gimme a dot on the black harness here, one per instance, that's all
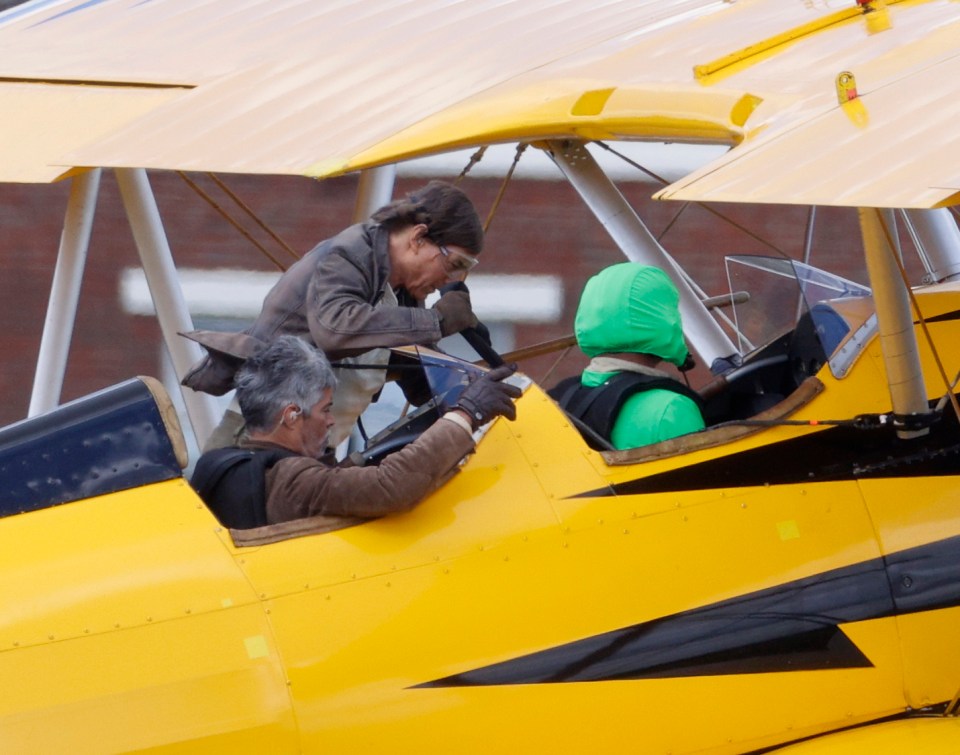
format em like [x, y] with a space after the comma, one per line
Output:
[598, 407]
[231, 481]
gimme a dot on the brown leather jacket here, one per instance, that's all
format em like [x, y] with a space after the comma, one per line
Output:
[299, 486]
[329, 297]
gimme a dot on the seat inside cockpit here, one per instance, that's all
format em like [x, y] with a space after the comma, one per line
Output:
[804, 320]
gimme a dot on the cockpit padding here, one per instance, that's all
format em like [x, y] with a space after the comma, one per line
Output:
[118, 438]
[716, 436]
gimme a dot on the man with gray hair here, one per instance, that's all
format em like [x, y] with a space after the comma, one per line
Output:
[278, 473]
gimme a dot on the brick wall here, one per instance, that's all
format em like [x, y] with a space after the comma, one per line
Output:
[541, 226]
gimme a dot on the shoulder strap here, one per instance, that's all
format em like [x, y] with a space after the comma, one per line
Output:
[213, 465]
[598, 407]
[564, 390]
[574, 397]
[231, 481]
[564, 393]
[640, 383]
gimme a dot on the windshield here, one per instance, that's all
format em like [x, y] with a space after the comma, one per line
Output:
[446, 378]
[435, 380]
[774, 296]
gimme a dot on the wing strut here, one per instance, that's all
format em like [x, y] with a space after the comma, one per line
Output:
[938, 241]
[64, 293]
[168, 299]
[638, 244]
[374, 191]
[898, 341]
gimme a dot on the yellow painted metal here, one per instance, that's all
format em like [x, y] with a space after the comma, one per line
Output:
[413, 625]
[126, 625]
[455, 605]
[796, 532]
[782, 38]
[846, 87]
[931, 736]
[931, 666]
[132, 621]
[202, 683]
[552, 109]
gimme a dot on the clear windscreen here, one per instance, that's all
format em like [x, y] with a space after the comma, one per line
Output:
[446, 378]
[785, 293]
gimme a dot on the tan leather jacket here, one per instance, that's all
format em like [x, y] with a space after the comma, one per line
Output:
[299, 487]
[329, 297]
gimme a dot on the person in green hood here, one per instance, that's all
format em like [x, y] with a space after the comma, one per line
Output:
[628, 322]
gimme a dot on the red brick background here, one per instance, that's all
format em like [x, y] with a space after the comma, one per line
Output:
[540, 227]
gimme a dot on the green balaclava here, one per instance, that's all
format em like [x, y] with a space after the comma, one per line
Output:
[631, 308]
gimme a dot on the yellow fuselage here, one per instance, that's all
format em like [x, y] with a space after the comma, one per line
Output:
[542, 601]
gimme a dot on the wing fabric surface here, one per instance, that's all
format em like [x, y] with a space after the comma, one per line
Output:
[295, 87]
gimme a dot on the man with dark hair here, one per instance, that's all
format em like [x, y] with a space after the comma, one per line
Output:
[277, 474]
[361, 292]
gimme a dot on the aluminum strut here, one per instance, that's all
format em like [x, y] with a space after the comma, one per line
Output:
[374, 191]
[940, 238]
[168, 299]
[65, 293]
[626, 228]
[898, 341]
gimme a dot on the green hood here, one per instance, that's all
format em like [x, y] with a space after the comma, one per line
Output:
[631, 308]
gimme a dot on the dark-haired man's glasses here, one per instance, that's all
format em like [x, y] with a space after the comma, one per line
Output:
[457, 262]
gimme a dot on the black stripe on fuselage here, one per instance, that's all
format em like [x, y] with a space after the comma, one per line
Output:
[791, 627]
[837, 453]
[945, 317]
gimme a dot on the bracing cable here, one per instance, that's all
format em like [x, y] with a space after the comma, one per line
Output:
[253, 216]
[474, 159]
[226, 216]
[711, 210]
[521, 148]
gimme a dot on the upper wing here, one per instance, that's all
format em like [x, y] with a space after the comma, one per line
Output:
[891, 145]
[300, 87]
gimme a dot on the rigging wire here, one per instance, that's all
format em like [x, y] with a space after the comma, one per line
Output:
[521, 148]
[226, 216]
[918, 245]
[807, 254]
[250, 213]
[709, 209]
[950, 386]
[554, 366]
[474, 159]
[808, 234]
[697, 289]
[673, 221]
[722, 316]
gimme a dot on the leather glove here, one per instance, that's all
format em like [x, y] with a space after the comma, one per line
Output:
[455, 312]
[488, 397]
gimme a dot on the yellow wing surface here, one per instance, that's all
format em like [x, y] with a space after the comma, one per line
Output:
[307, 88]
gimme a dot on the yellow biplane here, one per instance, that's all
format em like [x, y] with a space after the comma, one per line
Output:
[788, 577]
